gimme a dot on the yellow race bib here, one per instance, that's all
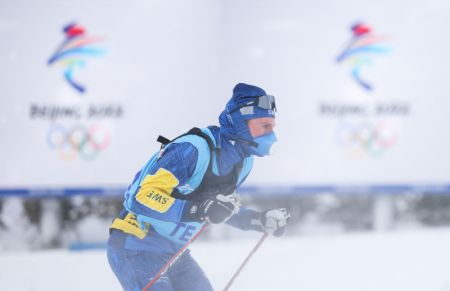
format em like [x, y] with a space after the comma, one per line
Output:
[130, 225]
[155, 190]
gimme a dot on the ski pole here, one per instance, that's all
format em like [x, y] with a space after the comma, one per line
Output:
[173, 259]
[261, 240]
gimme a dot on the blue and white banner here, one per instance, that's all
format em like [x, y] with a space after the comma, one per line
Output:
[361, 90]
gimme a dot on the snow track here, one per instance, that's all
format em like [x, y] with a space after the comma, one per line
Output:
[410, 261]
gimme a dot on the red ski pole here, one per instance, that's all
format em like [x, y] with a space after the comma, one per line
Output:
[261, 240]
[173, 259]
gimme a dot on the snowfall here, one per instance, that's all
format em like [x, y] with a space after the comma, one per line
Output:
[416, 260]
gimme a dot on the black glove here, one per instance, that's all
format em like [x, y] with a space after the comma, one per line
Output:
[215, 210]
[273, 221]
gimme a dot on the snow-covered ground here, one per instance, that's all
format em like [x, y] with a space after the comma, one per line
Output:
[410, 261]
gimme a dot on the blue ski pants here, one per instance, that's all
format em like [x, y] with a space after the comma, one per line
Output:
[135, 268]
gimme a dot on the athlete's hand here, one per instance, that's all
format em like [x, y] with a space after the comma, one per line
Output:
[273, 221]
[218, 209]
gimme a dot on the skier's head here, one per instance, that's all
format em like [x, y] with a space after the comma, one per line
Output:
[249, 118]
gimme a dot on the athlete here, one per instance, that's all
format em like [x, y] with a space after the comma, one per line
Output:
[191, 181]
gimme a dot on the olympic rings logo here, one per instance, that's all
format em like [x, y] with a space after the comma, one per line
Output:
[78, 140]
[366, 138]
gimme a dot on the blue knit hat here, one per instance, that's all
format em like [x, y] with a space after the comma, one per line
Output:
[233, 120]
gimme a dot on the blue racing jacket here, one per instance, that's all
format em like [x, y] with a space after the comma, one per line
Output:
[184, 171]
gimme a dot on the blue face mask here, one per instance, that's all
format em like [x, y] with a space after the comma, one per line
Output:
[264, 142]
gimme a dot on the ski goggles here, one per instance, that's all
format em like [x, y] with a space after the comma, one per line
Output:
[266, 102]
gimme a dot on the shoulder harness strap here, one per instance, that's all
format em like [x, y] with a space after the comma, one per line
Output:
[195, 131]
